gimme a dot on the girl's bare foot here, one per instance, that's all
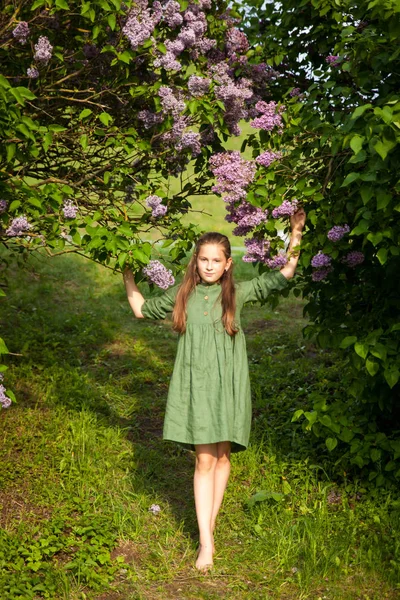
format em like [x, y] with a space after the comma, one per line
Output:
[205, 557]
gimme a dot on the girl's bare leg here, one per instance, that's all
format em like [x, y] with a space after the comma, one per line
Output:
[221, 476]
[204, 476]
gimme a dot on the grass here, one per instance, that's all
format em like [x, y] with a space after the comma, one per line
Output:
[83, 460]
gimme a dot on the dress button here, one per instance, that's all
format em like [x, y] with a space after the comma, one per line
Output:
[205, 313]
[205, 297]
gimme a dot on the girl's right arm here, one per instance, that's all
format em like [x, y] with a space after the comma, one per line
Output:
[135, 298]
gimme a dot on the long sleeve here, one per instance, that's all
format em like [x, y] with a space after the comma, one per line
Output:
[258, 288]
[157, 308]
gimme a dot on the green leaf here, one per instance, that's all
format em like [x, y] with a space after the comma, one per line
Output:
[140, 256]
[325, 420]
[356, 143]
[372, 367]
[112, 20]
[376, 454]
[47, 140]
[11, 150]
[348, 341]
[350, 178]
[105, 118]
[84, 141]
[125, 57]
[3, 347]
[383, 199]
[383, 147]
[297, 414]
[382, 255]
[360, 110]
[4, 82]
[62, 4]
[375, 238]
[392, 376]
[379, 351]
[264, 495]
[361, 228]
[37, 3]
[361, 349]
[85, 113]
[331, 443]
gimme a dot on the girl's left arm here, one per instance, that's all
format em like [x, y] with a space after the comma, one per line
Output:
[297, 222]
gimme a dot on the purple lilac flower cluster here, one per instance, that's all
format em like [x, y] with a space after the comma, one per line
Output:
[21, 32]
[43, 50]
[236, 41]
[246, 216]
[270, 117]
[157, 208]
[149, 118]
[332, 60]
[321, 260]
[320, 274]
[198, 86]
[337, 232]
[286, 209]
[268, 157]
[169, 103]
[70, 211]
[233, 94]
[295, 92]
[159, 275]
[233, 175]
[191, 140]
[32, 73]
[353, 258]
[322, 264]
[19, 226]
[257, 250]
[278, 261]
[141, 22]
[3, 206]
[5, 401]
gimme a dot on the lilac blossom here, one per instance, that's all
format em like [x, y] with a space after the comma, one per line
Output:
[159, 275]
[168, 62]
[278, 261]
[320, 274]
[32, 72]
[21, 32]
[353, 258]
[155, 203]
[155, 509]
[169, 103]
[268, 157]
[43, 50]
[140, 24]
[70, 211]
[236, 41]
[337, 232]
[333, 60]
[149, 118]
[270, 118]
[172, 14]
[5, 401]
[19, 226]
[246, 216]
[191, 140]
[233, 175]
[286, 209]
[295, 92]
[3, 206]
[198, 86]
[321, 260]
[257, 250]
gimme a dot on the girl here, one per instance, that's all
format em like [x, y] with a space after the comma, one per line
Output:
[209, 405]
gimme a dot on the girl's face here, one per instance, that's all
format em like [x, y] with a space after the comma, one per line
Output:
[211, 263]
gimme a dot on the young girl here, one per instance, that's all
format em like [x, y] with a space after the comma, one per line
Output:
[209, 405]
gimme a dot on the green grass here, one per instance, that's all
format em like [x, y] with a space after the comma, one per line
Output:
[83, 460]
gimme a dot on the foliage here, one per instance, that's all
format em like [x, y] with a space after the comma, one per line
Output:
[340, 159]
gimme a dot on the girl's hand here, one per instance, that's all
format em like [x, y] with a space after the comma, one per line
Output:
[298, 220]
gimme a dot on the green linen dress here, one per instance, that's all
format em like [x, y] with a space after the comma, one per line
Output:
[209, 398]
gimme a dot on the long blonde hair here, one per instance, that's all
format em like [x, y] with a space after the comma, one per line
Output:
[192, 278]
